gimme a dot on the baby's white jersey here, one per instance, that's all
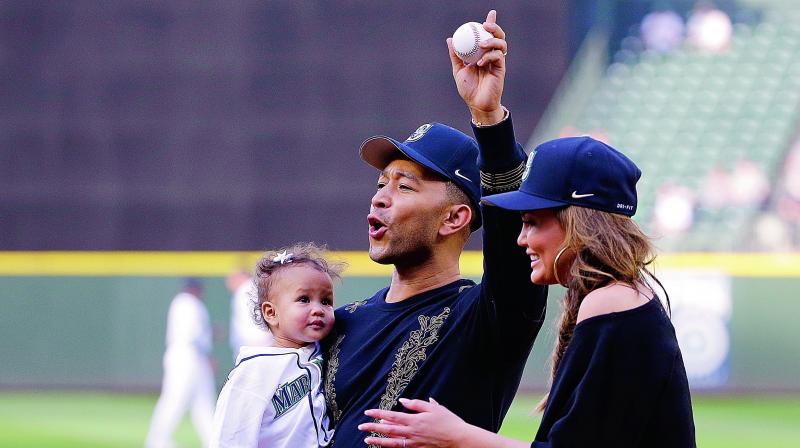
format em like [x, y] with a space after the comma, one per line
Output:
[273, 397]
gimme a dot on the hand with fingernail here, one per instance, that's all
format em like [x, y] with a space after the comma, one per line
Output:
[480, 84]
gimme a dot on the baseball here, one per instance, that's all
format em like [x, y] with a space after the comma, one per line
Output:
[466, 40]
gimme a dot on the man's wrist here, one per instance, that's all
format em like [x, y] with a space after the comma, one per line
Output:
[499, 151]
[484, 119]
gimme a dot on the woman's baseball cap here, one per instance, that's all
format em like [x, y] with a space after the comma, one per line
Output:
[446, 151]
[577, 171]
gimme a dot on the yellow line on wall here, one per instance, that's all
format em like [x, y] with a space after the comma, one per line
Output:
[214, 264]
[737, 265]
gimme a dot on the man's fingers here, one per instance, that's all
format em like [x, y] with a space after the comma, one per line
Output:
[389, 443]
[494, 44]
[456, 61]
[494, 57]
[491, 17]
[494, 29]
[389, 416]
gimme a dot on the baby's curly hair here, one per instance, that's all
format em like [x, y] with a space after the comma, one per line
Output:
[271, 262]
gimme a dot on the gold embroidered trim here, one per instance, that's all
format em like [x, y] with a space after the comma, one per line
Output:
[408, 357]
[510, 180]
[330, 377]
[354, 306]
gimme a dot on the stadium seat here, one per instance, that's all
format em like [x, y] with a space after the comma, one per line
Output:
[682, 114]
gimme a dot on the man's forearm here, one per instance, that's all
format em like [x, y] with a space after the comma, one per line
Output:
[500, 155]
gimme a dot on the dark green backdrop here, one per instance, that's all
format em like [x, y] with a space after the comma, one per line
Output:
[108, 332]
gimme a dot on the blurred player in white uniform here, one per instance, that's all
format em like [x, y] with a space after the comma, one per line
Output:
[243, 328]
[188, 376]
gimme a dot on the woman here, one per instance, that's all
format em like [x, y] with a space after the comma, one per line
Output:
[618, 378]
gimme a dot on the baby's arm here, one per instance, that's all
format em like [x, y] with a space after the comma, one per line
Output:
[240, 412]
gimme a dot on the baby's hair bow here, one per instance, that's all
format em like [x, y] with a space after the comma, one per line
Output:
[283, 258]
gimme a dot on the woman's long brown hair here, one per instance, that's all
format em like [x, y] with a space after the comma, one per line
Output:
[607, 248]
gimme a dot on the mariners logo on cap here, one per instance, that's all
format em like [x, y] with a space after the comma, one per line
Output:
[419, 133]
[528, 164]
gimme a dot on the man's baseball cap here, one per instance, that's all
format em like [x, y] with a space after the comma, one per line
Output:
[577, 171]
[444, 150]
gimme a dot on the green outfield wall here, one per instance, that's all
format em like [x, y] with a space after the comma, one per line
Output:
[93, 327]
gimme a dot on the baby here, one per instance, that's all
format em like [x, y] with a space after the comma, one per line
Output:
[273, 396]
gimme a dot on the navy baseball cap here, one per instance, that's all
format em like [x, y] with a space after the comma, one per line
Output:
[440, 148]
[577, 171]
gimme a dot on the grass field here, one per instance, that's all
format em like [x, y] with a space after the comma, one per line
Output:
[70, 419]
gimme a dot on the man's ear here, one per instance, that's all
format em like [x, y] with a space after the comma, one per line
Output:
[457, 217]
[270, 313]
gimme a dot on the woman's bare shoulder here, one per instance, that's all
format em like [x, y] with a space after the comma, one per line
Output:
[610, 299]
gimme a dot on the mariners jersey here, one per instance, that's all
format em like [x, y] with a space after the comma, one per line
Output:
[464, 344]
[273, 398]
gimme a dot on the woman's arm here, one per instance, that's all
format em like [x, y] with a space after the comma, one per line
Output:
[432, 426]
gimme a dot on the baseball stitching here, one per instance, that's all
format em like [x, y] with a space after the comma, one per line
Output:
[475, 48]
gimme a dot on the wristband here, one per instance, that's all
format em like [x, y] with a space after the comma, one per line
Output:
[506, 114]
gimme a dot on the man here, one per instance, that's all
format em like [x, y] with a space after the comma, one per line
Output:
[188, 377]
[432, 333]
[243, 329]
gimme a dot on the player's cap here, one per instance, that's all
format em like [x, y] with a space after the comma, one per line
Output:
[577, 171]
[444, 150]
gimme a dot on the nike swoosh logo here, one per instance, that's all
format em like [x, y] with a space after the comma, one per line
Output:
[578, 196]
[462, 176]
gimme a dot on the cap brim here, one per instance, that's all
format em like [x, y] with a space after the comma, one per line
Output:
[520, 201]
[379, 151]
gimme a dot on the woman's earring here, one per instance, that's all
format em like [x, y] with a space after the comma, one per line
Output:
[555, 265]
